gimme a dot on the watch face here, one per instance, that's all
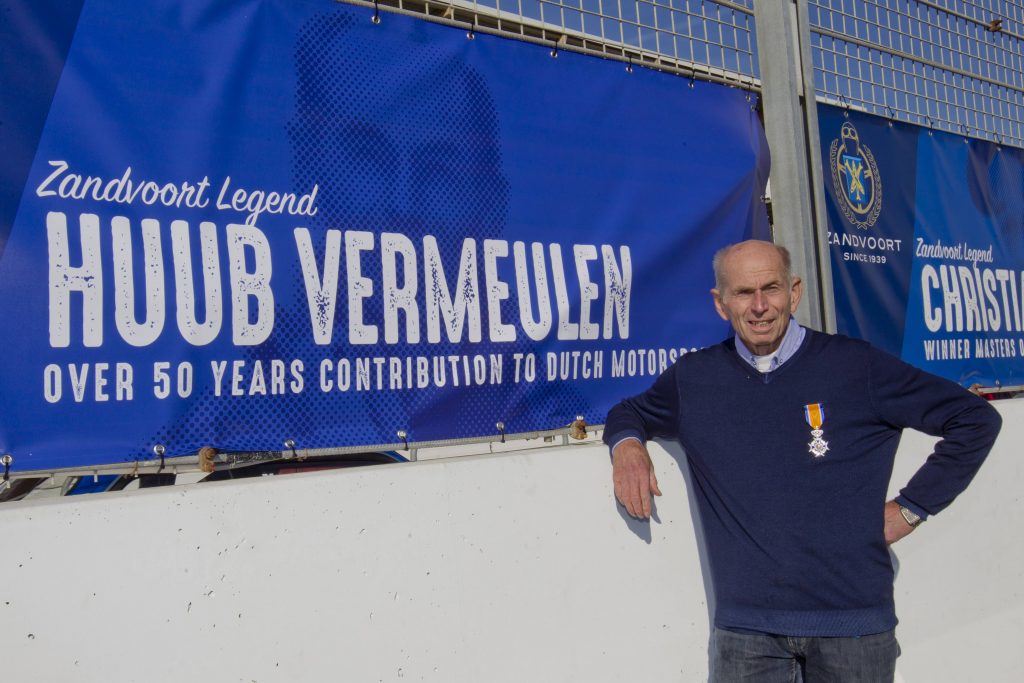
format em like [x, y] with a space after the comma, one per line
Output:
[912, 518]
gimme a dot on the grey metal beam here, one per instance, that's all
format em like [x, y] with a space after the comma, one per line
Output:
[791, 126]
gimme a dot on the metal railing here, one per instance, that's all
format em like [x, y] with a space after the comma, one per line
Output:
[711, 40]
[952, 65]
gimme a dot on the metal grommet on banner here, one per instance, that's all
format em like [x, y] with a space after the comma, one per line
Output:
[629, 65]
[404, 437]
[561, 41]
[966, 131]
[929, 120]
[376, 13]
[290, 445]
[693, 79]
[159, 450]
[501, 430]
[751, 98]
[892, 114]
[7, 460]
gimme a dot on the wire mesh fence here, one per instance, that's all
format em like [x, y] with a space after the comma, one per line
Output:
[699, 37]
[949, 64]
[715, 35]
[956, 65]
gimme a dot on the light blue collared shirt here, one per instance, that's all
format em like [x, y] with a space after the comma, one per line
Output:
[791, 341]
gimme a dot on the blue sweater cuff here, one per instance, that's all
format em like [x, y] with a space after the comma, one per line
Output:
[619, 437]
[912, 506]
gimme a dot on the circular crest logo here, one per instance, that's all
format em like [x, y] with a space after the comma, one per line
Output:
[855, 178]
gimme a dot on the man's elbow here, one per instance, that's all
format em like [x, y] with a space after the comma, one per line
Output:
[985, 424]
[994, 422]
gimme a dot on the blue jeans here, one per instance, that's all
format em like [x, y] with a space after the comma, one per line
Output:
[737, 657]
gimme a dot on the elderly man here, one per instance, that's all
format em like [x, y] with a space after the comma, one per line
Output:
[790, 436]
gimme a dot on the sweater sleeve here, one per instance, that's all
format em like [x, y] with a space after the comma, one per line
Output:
[654, 413]
[905, 396]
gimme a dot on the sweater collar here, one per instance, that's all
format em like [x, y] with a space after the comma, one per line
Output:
[791, 342]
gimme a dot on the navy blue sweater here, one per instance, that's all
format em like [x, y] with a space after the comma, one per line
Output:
[795, 541]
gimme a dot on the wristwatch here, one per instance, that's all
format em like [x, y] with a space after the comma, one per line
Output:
[913, 519]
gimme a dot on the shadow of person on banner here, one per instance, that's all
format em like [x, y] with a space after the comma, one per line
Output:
[401, 134]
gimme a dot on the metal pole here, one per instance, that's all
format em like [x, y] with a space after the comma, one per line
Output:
[791, 126]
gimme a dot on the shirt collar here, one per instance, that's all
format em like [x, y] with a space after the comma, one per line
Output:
[791, 341]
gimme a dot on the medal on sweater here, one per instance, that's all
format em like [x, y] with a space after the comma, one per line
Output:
[814, 413]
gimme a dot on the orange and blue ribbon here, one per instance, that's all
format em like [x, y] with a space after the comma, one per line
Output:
[814, 413]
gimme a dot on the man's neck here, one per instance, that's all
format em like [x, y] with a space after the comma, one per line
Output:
[766, 362]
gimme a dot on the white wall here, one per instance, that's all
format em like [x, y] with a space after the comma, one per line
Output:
[960, 586]
[512, 567]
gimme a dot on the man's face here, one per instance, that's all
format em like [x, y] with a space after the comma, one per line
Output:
[755, 295]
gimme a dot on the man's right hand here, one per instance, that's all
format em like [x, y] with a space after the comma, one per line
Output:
[633, 474]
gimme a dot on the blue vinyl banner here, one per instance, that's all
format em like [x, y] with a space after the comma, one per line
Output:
[927, 241]
[244, 222]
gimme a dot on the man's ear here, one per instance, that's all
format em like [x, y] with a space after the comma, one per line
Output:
[796, 292]
[717, 298]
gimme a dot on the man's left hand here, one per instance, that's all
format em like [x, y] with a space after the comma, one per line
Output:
[895, 526]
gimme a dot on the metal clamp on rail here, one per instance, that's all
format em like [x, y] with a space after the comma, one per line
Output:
[290, 445]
